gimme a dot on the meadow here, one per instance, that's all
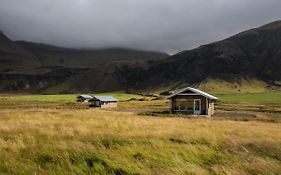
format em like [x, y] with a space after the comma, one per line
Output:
[67, 97]
[263, 97]
[55, 135]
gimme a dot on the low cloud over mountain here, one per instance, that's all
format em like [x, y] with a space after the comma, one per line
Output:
[162, 25]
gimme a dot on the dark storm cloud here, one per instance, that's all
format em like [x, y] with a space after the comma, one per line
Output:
[165, 25]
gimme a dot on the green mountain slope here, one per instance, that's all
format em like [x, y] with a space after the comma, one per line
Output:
[86, 58]
[33, 67]
[14, 57]
[251, 58]
[247, 62]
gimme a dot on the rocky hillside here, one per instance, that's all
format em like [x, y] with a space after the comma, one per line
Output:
[247, 62]
[13, 56]
[252, 57]
[41, 68]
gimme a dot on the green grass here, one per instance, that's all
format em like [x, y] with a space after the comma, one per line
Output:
[265, 97]
[66, 97]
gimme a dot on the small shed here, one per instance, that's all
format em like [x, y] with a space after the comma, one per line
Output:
[83, 98]
[192, 101]
[103, 102]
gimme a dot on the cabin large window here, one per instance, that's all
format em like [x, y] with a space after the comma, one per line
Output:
[184, 104]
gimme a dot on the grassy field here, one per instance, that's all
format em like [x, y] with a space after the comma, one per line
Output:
[265, 97]
[66, 97]
[56, 135]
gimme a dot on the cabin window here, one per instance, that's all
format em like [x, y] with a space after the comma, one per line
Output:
[184, 104]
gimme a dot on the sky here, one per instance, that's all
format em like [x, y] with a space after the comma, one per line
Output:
[160, 25]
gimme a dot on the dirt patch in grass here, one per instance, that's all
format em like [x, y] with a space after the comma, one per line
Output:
[234, 115]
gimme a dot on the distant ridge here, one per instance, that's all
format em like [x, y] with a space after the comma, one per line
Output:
[250, 56]
[247, 62]
[42, 68]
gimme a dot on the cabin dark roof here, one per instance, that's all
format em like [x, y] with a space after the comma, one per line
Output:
[196, 91]
[85, 96]
[104, 98]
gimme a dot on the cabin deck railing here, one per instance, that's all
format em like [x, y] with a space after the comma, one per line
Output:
[183, 110]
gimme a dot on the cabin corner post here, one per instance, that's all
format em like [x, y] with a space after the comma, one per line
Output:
[207, 108]
[171, 105]
[213, 112]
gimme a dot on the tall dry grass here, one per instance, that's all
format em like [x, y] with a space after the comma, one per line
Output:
[69, 141]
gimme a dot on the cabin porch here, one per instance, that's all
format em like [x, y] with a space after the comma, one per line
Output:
[191, 105]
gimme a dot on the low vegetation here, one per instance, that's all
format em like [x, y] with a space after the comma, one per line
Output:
[67, 97]
[56, 135]
[263, 97]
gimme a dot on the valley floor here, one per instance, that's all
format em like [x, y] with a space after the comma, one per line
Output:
[140, 137]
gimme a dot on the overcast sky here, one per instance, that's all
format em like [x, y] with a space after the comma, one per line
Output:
[163, 25]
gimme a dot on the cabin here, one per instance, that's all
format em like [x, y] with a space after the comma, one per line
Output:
[83, 98]
[191, 101]
[103, 102]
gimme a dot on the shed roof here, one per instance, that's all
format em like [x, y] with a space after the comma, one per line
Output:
[85, 96]
[196, 91]
[105, 98]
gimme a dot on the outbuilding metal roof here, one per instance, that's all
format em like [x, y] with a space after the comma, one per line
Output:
[196, 91]
[86, 96]
[105, 98]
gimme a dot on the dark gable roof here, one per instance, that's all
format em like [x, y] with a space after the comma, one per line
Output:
[85, 96]
[104, 98]
[196, 91]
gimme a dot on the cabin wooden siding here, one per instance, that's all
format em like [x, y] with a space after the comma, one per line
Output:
[101, 104]
[175, 105]
[192, 101]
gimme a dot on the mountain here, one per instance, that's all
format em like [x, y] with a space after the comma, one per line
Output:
[13, 56]
[249, 61]
[86, 58]
[41, 68]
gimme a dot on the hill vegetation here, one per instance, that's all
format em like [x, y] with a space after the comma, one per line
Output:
[246, 62]
[41, 68]
[250, 56]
